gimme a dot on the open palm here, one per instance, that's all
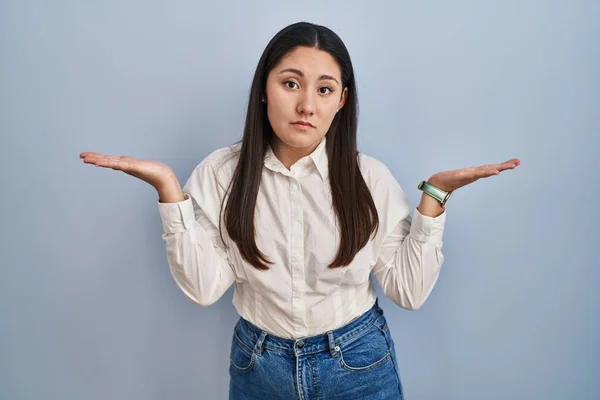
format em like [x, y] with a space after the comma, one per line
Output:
[153, 172]
[454, 179]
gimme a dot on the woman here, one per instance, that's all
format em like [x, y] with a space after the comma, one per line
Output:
[296, 219]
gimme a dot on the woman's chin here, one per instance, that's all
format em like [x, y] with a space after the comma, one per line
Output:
[300, 139]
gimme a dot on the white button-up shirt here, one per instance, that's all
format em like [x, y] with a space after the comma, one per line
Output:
[296, 228]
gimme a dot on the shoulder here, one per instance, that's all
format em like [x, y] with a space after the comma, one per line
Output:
[223, 157]
[389, 197]
[217, 167]
[221, 162]
[374, 171]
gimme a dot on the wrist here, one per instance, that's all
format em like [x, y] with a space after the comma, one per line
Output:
[435, 191]
[429, 206]
[170, 191]
[435, 182]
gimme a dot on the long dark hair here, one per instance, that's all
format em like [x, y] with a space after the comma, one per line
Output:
[352, 201]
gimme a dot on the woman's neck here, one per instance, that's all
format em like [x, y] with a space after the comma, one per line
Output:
[289, 155]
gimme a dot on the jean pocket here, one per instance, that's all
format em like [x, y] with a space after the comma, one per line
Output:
[241, 357]
[369, 351]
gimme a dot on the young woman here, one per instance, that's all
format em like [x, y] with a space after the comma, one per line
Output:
[297, 219]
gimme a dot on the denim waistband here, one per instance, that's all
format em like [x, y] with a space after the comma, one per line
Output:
[328, 341]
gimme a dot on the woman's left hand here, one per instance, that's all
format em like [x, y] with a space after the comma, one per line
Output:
[457, 178]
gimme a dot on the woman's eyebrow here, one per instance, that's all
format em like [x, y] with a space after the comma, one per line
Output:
[299, 73]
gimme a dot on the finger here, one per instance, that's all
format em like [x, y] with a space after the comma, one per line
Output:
[510, 164]
[495, 169]
[92, 158]
[102, 161]
[87, 154]
[487, 170]
[118, 163]
[468, 175]
[121, 163]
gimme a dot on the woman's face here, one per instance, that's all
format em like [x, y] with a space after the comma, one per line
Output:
[303, 94]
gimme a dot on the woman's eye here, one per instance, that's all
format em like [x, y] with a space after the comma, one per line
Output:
[324, 90]
[290, 84]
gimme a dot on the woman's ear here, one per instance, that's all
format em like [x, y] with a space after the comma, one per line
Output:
[343, 99]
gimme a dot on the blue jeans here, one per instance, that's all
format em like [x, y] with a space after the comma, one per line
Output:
[356, 361]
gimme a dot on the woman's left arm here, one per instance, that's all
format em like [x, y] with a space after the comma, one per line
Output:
[410, 256]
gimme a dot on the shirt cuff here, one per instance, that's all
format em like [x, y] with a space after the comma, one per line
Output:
[427, 229]
[177, 217]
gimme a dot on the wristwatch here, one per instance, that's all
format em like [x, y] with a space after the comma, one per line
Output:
[435, 192]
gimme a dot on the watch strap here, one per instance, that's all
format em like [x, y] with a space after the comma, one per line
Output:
[440, 195]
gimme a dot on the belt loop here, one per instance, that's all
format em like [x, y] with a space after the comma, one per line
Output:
[333, 349]
[259, 343]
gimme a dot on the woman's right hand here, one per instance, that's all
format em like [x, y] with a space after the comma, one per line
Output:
[157, 174]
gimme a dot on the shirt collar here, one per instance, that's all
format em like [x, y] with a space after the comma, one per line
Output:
[318, 158]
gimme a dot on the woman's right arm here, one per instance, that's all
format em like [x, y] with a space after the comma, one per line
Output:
[195, 252]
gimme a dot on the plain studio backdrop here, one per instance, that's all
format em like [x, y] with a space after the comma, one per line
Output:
[88, 308]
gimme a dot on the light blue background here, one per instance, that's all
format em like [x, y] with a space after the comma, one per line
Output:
[88, 308]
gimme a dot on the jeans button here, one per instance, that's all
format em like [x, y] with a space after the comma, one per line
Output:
[299, 344]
